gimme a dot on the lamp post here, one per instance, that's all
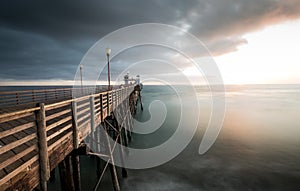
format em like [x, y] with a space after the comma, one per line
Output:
[108, 50]
[81, 78]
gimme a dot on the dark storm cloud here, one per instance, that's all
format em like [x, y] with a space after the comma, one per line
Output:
[31, 56]
[47, 39]
[70, 19]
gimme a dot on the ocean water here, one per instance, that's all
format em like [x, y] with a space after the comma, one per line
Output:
[258, 147]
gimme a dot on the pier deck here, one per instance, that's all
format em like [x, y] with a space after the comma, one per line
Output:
[35, 138]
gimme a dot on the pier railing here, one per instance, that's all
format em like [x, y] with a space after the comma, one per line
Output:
[31, 138]
[13, 98]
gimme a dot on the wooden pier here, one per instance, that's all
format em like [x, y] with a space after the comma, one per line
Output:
[48, 128]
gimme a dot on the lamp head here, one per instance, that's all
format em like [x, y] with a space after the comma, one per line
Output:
[108, 51]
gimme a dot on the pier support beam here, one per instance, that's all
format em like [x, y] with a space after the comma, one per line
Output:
[76, 172]
[121, 152]
[97, 147]
[52, 175]
[125, 137]
[111, 165]
[66, 175]
[140, 98]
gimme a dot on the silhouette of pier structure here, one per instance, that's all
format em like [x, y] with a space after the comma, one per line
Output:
[44, 130]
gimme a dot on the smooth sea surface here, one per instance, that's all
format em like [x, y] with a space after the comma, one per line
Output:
[258, 147]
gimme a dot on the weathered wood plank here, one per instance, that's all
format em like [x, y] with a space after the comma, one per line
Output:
[16, 129]
[55, 124]
[60, 151]
[26, 180]
[18, 170]
[80, 106]
[16, 143]
[18, 156]
[59, 132]
[83, 118]
[55, 115]
[60, 141]
[83, 111]
[5, 141]
[97, 110]
[58, 105]
[15, 115]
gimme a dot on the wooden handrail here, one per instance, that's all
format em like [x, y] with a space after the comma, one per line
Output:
[12, 98]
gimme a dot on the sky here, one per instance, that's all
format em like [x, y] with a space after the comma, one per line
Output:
[251, 41]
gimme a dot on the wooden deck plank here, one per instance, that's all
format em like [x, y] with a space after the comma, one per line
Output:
[4, 157]
[19, 149]
[12, 152]
[16, 129]
[23, 168]
[17, 156]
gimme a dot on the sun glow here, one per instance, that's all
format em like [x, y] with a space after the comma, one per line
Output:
[271, 56]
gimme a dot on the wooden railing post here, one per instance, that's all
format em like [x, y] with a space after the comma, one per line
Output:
[108, 104]
[101, 107]
[112, 100]
[93, 140]
[121, 94]
[74, 124]
[115, 104]
[125, 93]
[92, 108]
[117, 98]
[43, 149]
